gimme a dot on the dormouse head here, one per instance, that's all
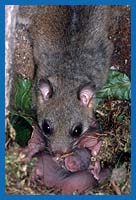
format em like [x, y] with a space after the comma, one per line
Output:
[65, 112]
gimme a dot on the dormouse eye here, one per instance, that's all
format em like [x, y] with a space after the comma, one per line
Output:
[46, 128]
[76, 131]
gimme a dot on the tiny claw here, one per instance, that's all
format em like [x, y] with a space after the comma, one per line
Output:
[96, 148]
[95, 170]
[88, 142]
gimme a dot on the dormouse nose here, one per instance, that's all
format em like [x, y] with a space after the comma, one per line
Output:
[60, 147]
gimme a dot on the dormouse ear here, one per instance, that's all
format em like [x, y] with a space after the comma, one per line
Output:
[86, 95]
[46, 88]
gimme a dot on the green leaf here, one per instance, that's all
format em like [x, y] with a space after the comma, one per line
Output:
[120, 117]
[22, 128]
[23, 94]
[22, 116]
[25, 116]
[117, 87]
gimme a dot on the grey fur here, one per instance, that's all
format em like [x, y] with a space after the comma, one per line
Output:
[71, 49]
